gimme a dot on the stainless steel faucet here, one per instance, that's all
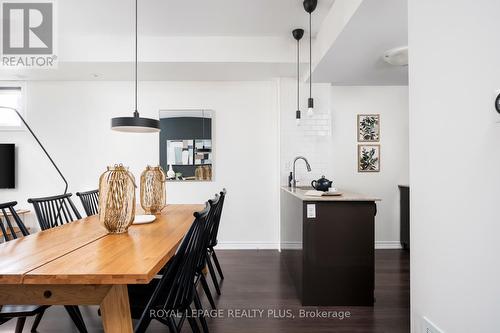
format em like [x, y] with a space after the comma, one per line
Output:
[294, 181]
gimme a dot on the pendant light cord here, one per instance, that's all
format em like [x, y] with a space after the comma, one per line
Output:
[136, 123]
[310, 55]
[136, 113]
[203, 129]
[298, 74]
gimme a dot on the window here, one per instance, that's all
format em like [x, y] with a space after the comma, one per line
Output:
[11, 96]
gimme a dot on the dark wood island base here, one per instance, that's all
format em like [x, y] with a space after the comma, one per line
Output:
[328, 246]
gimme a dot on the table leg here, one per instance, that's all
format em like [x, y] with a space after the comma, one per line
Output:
[115, 310]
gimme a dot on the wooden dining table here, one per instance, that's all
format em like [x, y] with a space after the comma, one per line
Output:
[81, 264]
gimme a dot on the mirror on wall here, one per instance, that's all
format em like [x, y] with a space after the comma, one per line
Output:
[186, 145]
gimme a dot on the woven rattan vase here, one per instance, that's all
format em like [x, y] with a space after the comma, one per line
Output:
[117, 199]
[153, 195]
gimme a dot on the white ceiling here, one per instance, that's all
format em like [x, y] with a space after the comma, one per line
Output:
[179, 40]
[188, 17]
[356, 56]
[230, 40]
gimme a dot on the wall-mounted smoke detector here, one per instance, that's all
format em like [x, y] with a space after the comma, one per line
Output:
[397, 56]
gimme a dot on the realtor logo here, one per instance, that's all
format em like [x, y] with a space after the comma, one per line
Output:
[28, 34]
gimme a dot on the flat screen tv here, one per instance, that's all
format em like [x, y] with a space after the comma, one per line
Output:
[7, 165]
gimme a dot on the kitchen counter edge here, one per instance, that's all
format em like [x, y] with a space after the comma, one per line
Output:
[346, 195]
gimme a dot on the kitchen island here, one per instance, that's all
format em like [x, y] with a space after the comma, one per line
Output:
[327, 245]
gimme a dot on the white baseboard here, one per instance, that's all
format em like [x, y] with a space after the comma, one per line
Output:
[388, 245]
[379, 245]
[291, 246]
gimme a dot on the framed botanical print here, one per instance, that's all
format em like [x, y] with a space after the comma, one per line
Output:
[368, 158]
[368, 127]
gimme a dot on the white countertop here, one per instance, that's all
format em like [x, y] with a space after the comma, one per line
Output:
[346, 195]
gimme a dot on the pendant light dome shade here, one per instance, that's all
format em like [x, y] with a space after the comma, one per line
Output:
[310, 5]
[298, 34]
[135, 124]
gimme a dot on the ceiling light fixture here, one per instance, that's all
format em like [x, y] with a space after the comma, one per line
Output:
[310, 6]
[135, 124]
[397, 56]
[297, 34]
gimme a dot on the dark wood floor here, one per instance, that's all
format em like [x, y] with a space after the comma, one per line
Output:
[258, 280]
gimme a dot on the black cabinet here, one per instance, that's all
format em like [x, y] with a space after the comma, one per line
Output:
[404, 197]
[330, 252]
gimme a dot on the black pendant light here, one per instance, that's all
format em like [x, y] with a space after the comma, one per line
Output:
[135, 124]
[310, 6]
[203, 149]
[297, 34]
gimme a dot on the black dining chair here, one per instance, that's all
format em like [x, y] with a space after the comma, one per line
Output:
[90, 201]
[174, 290]
[55, 211]
[12, 227]
[213, 242]
[200, 276]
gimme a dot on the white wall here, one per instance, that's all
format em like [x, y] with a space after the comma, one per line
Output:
[73, 120]
[335, 155]
[454, 145]
[392, 105]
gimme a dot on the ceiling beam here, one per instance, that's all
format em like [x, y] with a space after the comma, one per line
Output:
[332, 26]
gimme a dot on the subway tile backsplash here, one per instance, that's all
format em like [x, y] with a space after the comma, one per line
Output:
[312, 139]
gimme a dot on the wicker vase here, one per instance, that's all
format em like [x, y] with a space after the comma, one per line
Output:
[117, 199]
[198, 173]
[153, 196]
[207, 172]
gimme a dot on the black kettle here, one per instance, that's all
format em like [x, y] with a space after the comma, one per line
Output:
[321, 184]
